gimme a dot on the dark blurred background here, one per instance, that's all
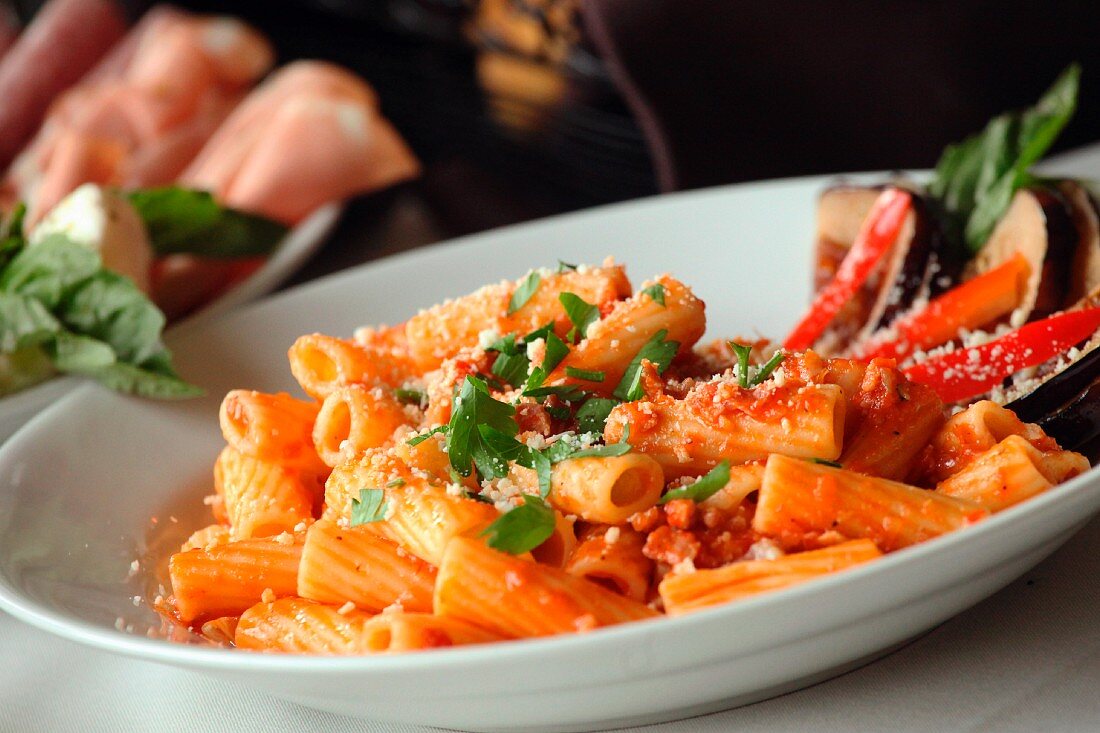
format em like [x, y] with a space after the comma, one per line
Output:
[524, 108]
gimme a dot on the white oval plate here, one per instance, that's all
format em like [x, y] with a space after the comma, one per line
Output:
[301, 243]
[81, 482]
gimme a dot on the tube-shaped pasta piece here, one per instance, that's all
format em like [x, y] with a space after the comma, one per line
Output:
[224, 580]
[888, 441]
[517, 598]
[686, 592]
[428, 456]
[424, 518]
[271, 427]
[606, 489]
[1010, 472]
[800, 501]
[613, 341]
[719, 421]
[302, 626]
[373, 470]
[408, 632]
[442, 331]
[974, 430]
[559, 546]
[354, 418]
[356, 564]
[744, 480]
[612, 557]
[210, 536]
[322, 363]
[261, 498]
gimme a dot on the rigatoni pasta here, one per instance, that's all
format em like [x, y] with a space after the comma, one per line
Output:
[556, 454]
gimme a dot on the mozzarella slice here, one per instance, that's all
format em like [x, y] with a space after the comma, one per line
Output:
[105, 222]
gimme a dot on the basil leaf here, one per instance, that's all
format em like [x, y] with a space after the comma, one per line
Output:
[110, 308]
[592, 415]
[181, 220]
[370, 507]
[657, 292]
[704, 488]
[656, 350]
[523, 528]
[524, 291]
[581, 314]
[24, 322]
[584, 374]
[976, 179]
[79, 354]
[142, 382]
[49, 269]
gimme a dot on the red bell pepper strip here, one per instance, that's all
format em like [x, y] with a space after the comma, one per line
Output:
[964, 373]
[879, 231]
[971, 305]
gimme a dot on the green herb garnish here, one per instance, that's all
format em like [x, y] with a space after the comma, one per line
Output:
[581, 314]
[656, 291]
[976, 179]
[704, 488]
[656, 350]
[183, 221]
[524, 291]
[409, 396]
[592, 415]
[591, 376]
[826, 462]
[747, 376]
[522, 529]
[418, 439]
[396, 483]
[370, 507]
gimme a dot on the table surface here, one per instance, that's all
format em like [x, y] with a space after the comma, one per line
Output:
[1026, 659]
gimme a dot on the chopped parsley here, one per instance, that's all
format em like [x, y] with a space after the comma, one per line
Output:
[523, 528]
[511, 363]
[656, 350]
[581, 314]
[746, 376]
[396, 483]
[657, 292]
[590, 376]
[564, 266]
[408, 396]
[524, 291]
[704, 488]
[474, 408]
[592, 415]
[556, 350]
[566, 392]
[370, 507]
[826, 462]
[418, 439]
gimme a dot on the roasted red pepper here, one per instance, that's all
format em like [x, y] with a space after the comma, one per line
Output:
[964, 373]
[877, 234]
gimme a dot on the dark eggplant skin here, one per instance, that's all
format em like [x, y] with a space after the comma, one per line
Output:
[1067, 404]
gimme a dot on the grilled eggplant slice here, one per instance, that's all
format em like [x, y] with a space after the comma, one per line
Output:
[1085, 273]
[915, 267]
[1038, 224]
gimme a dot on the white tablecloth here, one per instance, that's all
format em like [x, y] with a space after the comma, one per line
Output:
[1027, 659]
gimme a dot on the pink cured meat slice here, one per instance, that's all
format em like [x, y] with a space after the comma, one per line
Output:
[64, 40]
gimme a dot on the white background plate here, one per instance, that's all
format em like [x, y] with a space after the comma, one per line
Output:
[301, 243]
[82, 481]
